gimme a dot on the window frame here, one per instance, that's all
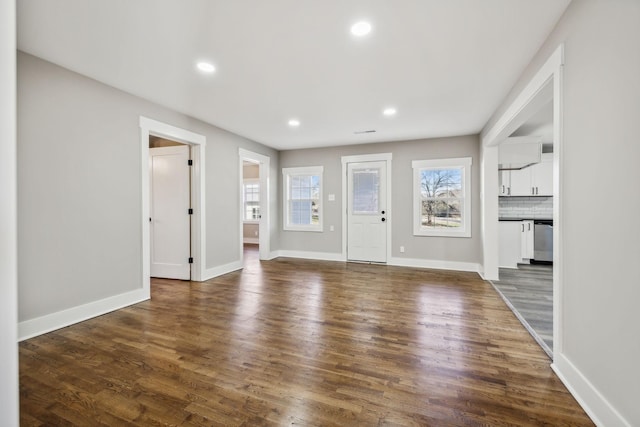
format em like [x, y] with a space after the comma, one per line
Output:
[245, 182]
[287, 174]
[463, 163]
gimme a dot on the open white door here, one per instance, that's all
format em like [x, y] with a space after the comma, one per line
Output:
[367, 211]
[170, 220]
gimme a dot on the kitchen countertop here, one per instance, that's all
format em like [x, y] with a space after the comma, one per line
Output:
[524, 219]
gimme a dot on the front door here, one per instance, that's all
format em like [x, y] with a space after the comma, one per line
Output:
[367, 211]
[170, 220]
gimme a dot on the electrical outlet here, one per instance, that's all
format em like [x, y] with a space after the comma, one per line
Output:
[256, 233]
[401, 249]
[331, 228]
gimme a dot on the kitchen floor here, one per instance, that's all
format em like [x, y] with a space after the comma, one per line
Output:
[528, 291]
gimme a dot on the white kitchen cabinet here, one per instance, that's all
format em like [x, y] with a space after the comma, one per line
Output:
[521, 182]
[536, 180]
[515, 243]
[542, 176]
[509, 244]
[504, 189]
[526, 239]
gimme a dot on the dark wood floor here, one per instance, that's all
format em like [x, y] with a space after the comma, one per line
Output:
[306, 343]
[528, 290]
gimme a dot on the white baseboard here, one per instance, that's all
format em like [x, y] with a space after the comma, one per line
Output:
[400, 262]
[251, 240]
[483, 276]
[210, 273]
[435, 264]
[50, 322]
[602, 413]
[322, 256]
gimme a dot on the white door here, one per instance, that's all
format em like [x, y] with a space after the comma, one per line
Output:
[367, 212]
[170, 220]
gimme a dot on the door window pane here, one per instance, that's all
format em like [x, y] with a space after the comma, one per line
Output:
[366, 191]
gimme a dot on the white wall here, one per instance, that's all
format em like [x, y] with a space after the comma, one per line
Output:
[79, 199]
[8, 249]
[600, 173]
[462, 250]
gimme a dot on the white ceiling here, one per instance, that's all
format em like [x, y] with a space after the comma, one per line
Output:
[445, 65]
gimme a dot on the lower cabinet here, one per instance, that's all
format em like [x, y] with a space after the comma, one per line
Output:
[526, 240]
[509, 244]
[515, 243]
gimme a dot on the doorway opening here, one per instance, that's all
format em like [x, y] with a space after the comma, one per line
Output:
[251, 210]
[254, 206]
[536, 112]
[197, 144]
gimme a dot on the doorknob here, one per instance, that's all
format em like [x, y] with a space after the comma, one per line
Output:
[384, 219]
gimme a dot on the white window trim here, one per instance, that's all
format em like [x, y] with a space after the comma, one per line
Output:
[244, 206]
[307, 170]
[464, 162]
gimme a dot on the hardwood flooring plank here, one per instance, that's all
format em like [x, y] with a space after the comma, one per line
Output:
[295, 342]
[528, 290]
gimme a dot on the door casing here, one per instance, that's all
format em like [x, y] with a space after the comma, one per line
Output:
[198, 229]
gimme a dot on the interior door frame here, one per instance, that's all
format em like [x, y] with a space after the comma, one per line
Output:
[532, 97]
[380, 157]
[197, 144]
[264, 167]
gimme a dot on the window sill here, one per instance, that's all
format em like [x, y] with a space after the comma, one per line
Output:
[313, 230]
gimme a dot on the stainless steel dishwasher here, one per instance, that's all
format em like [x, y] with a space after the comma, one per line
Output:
[543, 241]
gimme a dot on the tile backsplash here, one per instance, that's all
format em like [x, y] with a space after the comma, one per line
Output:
[526, 207]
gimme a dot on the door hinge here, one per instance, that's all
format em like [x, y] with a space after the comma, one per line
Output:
[190, 162]
[190, 260]
[190, 211]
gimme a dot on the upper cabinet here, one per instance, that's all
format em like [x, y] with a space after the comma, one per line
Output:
[531, 180]
[542, 176]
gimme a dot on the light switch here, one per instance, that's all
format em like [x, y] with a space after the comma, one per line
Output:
[332, 198]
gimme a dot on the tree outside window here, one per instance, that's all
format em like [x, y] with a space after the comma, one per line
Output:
[441, 202]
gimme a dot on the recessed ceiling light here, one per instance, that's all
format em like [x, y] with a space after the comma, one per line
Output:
[389, 111]
[294, 123]
[206, 67]
[361, 28]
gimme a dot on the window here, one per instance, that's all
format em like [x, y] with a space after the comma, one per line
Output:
[441, 199]
[251, 200]
[302, 198]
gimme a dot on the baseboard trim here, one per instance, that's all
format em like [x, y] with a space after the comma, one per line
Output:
[322, 256]
[602, 413]
[435, 264]
[210, 273]
[398, 262]
[251, 240]
[50, 322]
